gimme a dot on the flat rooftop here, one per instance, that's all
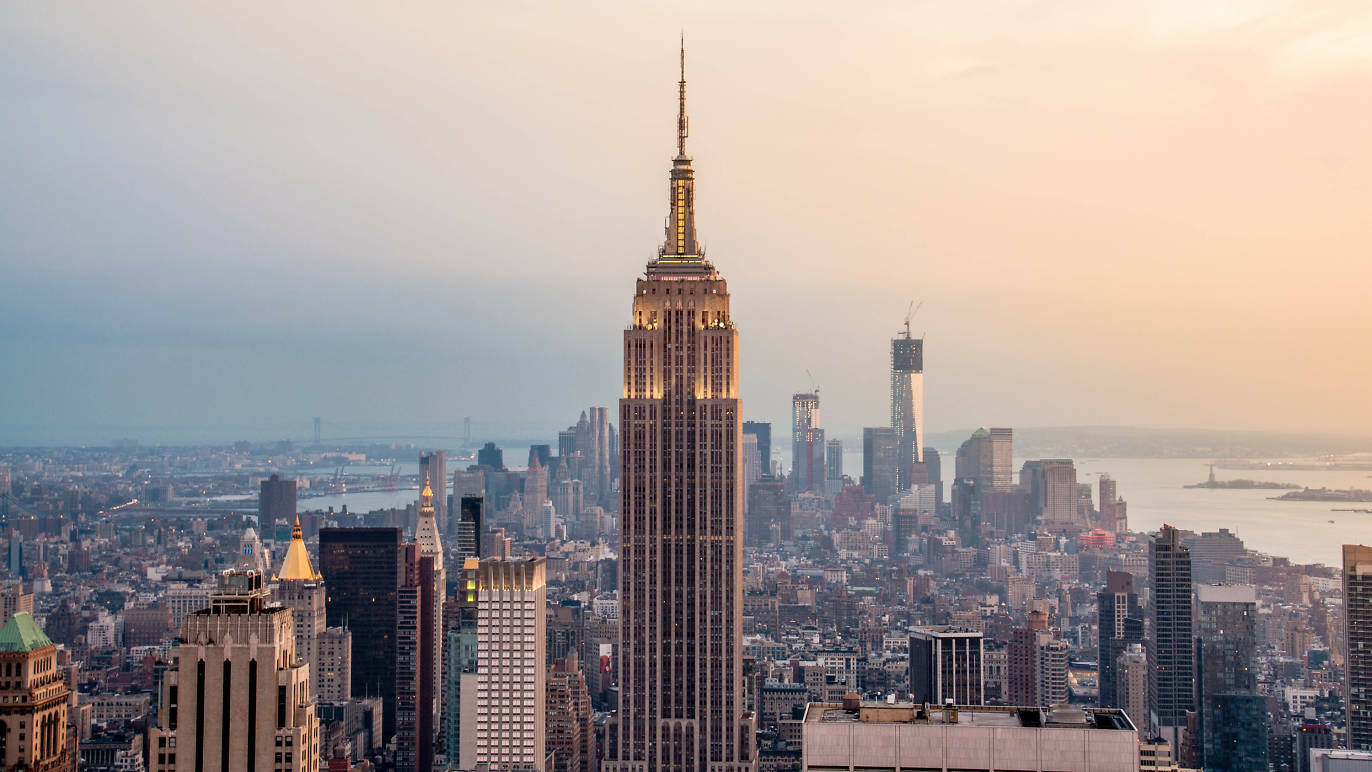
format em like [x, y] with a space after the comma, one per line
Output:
[1064, 716]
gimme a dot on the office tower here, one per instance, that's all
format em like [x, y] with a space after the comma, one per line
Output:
[301, 589]
[364, 570]
[1130, 671]
[752, 465]
[469, 527]
[833, 461]
[433, 469]
[1170, 652]
[945, 664]
[543, 452]
[275, 504]
[503, 711]
[907, 404]
[239, 697]
[34, 694]
[768, 505]
[1357, 603]
[880, 462]
[1119, 623]
[1232, 715]
[763, 431]
[1056, 489]
[807, 444]
[986, 457]
[568, 497]
[416, 678]
[570, 733]
[333, 671]
[491, 457]
[13, 599]
[681, 508]
[430, 546]
[535, 493]
[597, 478]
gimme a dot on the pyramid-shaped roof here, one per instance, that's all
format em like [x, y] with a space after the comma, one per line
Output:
[21, 633]
[296, 567]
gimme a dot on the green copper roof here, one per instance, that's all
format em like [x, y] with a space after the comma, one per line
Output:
[21, 633]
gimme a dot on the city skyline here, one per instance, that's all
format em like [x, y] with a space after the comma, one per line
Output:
[256, 185]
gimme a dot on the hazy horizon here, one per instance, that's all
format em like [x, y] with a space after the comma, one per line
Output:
[1116, 216]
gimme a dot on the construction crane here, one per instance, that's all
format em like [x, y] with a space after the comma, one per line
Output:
[813, 388]
[910, 313]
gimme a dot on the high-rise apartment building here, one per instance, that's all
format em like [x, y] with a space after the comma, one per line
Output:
[364, 570]
[275, 504]
[880, 462]
[1119, 623]
[1171, 653]
[34, 694]
[946, 664]
[1357, 603]
[1232, 715]
[13, 599]
[300, 588]
[433, 470]
[503, 707]
[807, 444]
[239, 698]
[907, 405]
[681, 512]
[334, 665]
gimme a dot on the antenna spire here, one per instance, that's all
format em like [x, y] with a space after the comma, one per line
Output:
[683, 124]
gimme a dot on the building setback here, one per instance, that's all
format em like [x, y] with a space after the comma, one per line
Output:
[681, 512]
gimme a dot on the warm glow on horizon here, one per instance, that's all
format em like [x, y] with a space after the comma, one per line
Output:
[1116, 213]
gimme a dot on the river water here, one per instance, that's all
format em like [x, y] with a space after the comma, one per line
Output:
[1154, 488]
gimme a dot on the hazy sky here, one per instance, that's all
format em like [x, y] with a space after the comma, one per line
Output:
[1150, 214]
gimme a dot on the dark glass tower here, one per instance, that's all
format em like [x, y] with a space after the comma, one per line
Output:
[275, 504]
[1232, 715]
[365, 572]
[1357, 603]
[1171, 653]
[681, 701]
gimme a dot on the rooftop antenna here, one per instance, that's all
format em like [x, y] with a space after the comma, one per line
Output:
[683, 124]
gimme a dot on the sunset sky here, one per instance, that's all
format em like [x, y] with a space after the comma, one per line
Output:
[1115, 213]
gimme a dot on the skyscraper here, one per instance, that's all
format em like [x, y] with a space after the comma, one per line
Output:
[1232, 715]
[431, 547]
[1357, 602]
[1119, 624]
[239, 697]
[833, 460]
[880, 462]
[763, 431]
[469, 527]
[275, 503]
[364, 570]
[433, 469]
[1170, 655]
[681, 547]
[503, 703]
[907, 403]
[807, 444]
[1131, 683]
[415, 674]
[301, 589]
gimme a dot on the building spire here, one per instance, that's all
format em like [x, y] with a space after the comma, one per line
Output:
[680, 243]
[683, 124]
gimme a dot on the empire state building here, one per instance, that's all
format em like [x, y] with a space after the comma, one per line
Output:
[680, 583]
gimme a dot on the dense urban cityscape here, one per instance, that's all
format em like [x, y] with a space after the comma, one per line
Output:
[666, 584]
